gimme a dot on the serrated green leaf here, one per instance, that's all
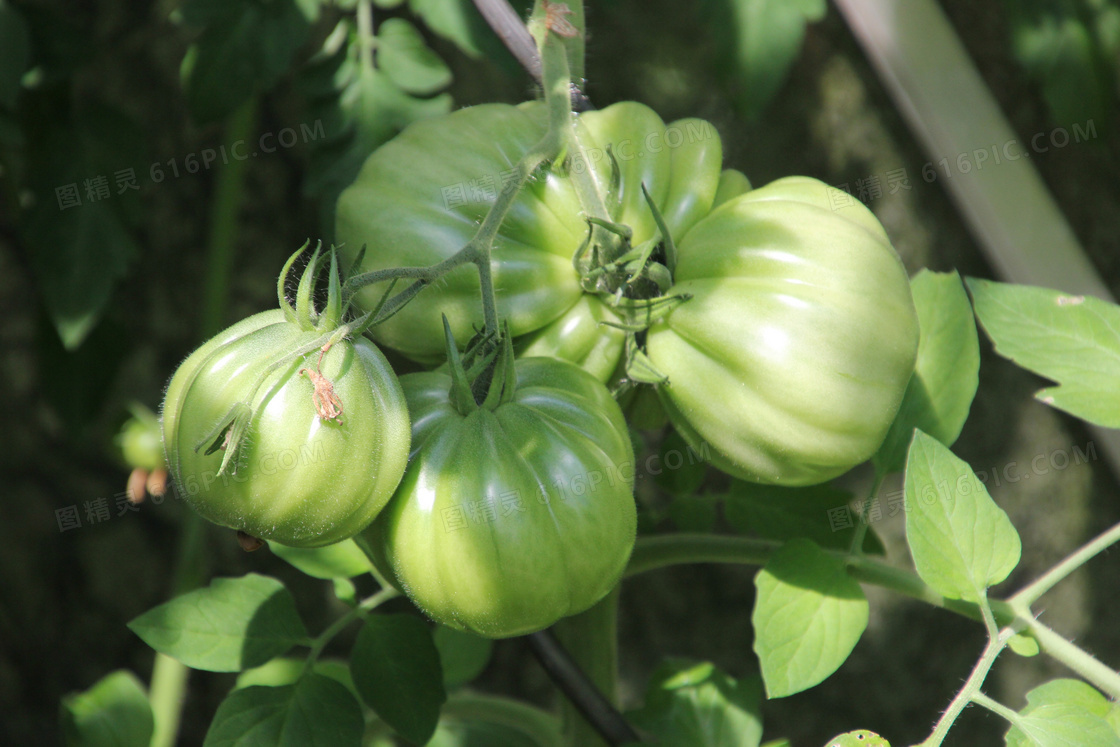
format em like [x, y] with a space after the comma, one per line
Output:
[819, 512]
[808, 616]
[315, 712]
[410, 63]
[113, 713]
[340, 560]
[244, 50]
[233, 624]
[15, 53]
[940, 392]
[692, 703]
[462, 655]
[1073, 340]
[961, 541]
[396, 669]
[768, 39]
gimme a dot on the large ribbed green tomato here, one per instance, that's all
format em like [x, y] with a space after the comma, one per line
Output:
[790, 360]
[509, 519]
[300, 480]
[421, 197]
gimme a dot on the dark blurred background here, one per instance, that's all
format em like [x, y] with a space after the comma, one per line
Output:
[99, 301]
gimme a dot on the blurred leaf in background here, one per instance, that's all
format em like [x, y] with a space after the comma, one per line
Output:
[1071, 49]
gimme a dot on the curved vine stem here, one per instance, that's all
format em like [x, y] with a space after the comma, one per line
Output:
[358, 612]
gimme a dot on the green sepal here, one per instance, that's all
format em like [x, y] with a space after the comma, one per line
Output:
[282, 284]
[638, 314]
[354, 269]
[461, 395]
[503, 383]
[305, 312]
[619, 229]
[228, 434]
[666, 237]
[638, 365]
[614, 193]
[332, 312]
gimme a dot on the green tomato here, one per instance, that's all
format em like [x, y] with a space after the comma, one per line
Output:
[140, 441]
[511, 518]
[422, 196]
[791, 358]
[299, 479]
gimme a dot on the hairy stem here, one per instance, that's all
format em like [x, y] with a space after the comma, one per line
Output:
[971, 688]
[363, 608]
[1029, 594]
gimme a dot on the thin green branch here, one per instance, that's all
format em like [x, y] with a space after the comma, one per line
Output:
[971, 687]
[995, 707]
[1030, 594]
[1076, 658]
[355, 613]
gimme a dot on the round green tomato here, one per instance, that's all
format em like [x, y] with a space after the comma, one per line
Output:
[422, 196]
[791, 358]
[509, 519]
[140, 440]
[298, 479]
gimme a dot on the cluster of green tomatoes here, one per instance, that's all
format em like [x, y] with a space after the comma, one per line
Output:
[496, 488]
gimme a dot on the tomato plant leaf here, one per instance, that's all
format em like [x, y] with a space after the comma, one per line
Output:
[316, 711]
[78, 227]
[457, 21]
[819, 512]
[410, 64]
[462, 655]
[1073, 340]
[939, 394]
[768, 39]
[808, 616]
[244, 50]
[113, 713]
[1066, 48]
[396, 668]
[1062, 709]
[690, 703]
[233, 624]
[1061, 725]
[961, 541]
[357, 108]
[340, 560]
[287, 670]
[15, 53]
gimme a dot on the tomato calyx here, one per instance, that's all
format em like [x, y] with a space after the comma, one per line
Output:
[483, 375]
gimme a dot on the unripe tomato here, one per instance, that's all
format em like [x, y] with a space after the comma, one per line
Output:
[792, 355]
[299, 478]
[421, 197]
[511, 518]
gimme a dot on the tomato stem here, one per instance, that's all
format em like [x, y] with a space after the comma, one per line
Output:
[360, 611]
